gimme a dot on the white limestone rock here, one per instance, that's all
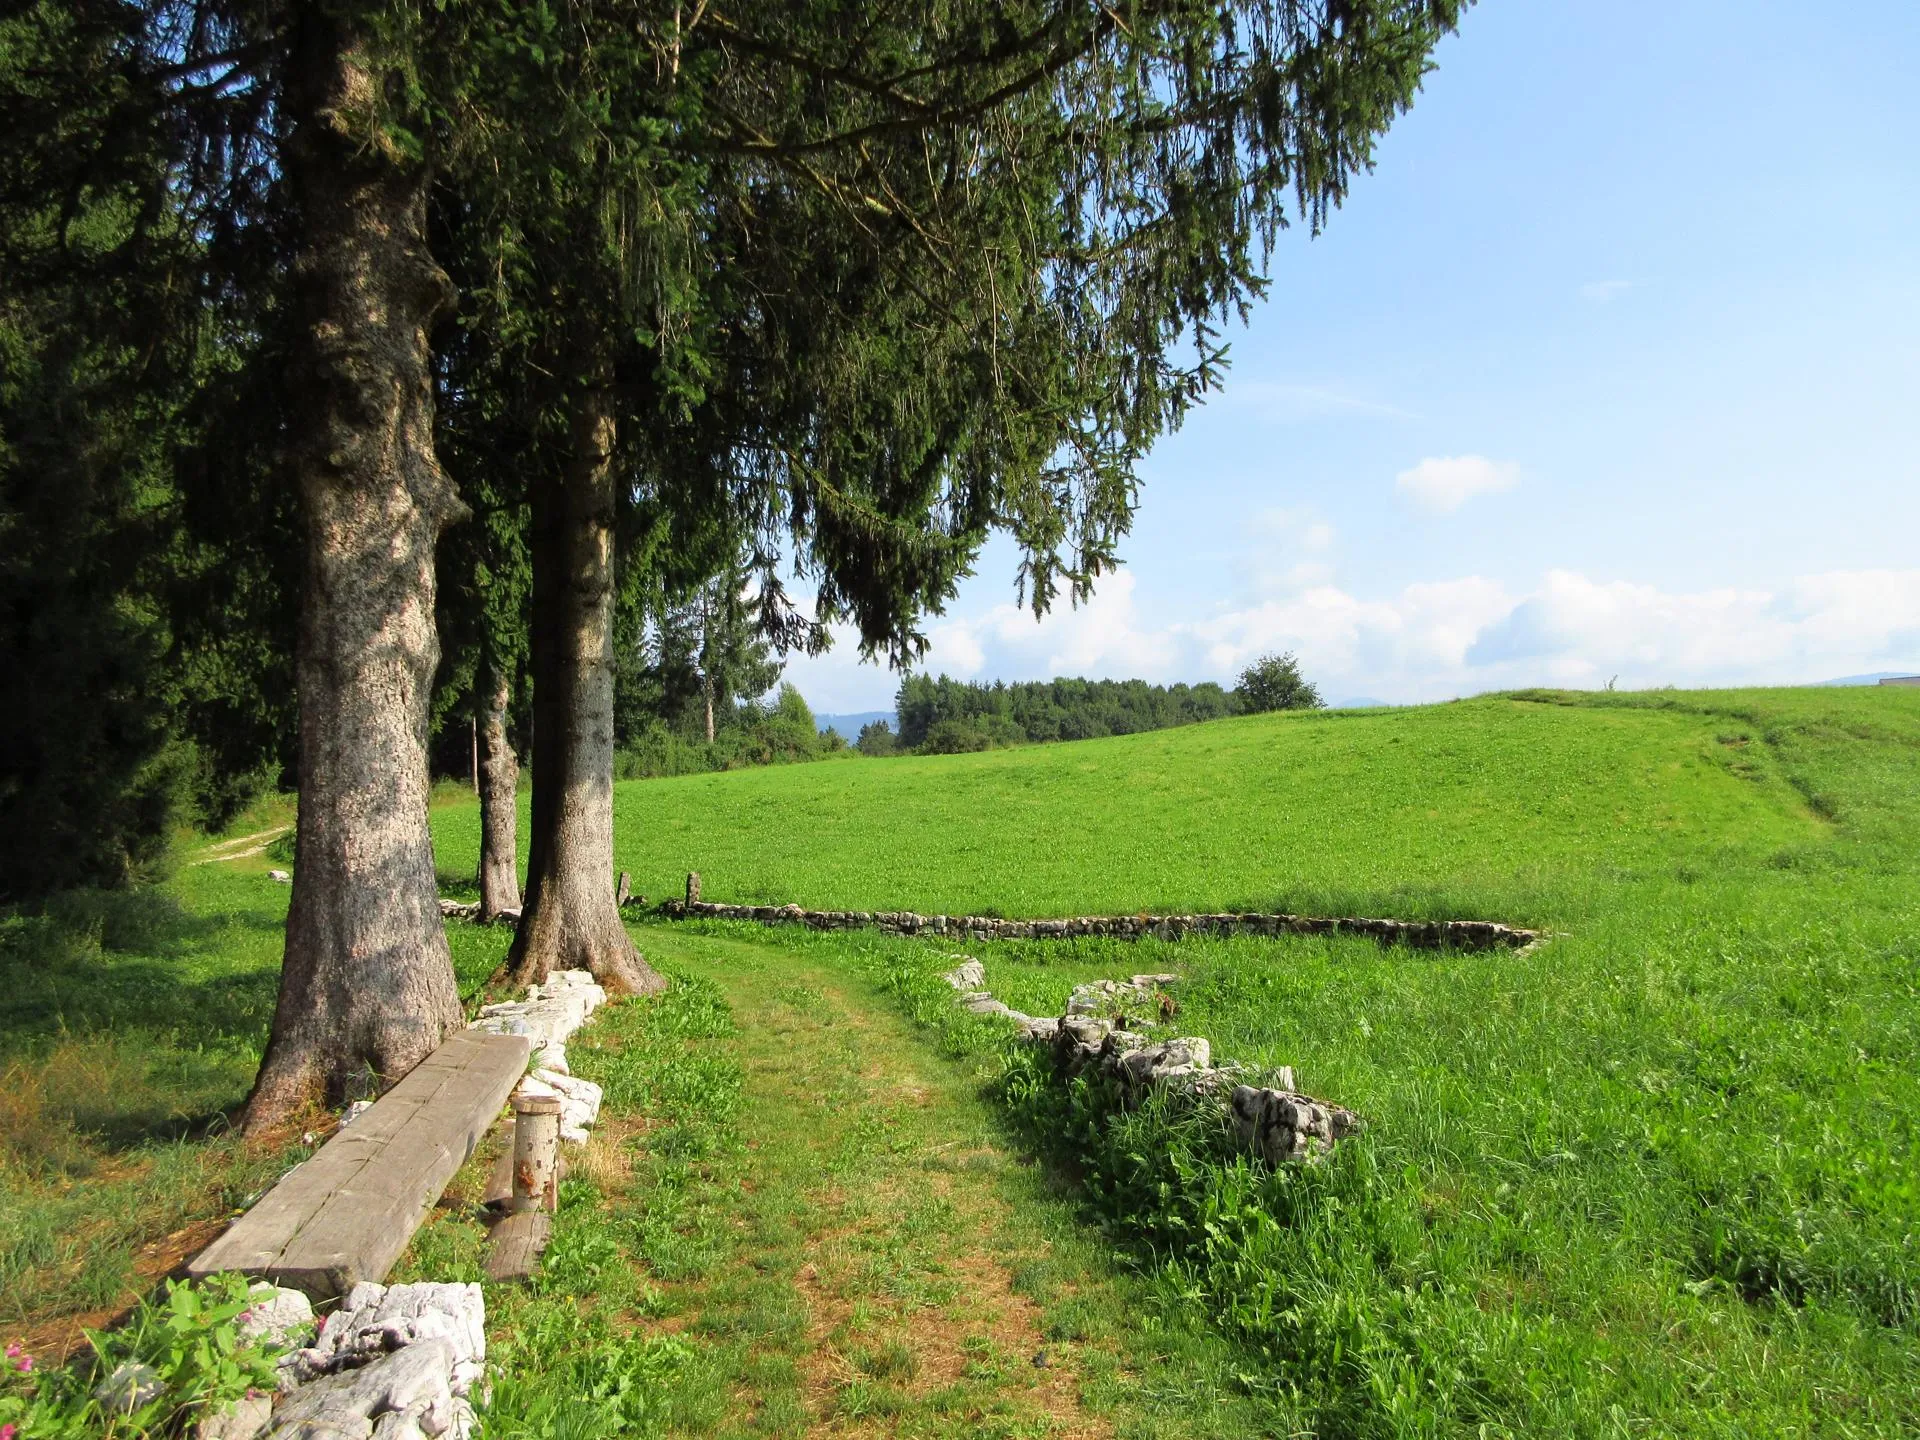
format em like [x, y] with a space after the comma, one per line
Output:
[549, 1014]
[375, 1320]
[414, 1382]
[1115, 997]
[968, 976]
[243, 1419]
[1282, 1126]
[280, 1318]
[579, 1100]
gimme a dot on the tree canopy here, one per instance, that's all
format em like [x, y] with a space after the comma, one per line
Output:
[874, 281]
[1274, 682]
[630, 290]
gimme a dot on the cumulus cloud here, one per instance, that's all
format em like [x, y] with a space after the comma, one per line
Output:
[1090, 639]
[1448, 482]
[1435, 640]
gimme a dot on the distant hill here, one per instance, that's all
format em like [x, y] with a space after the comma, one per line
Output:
[849, 724]
[1357, 702]
[1874, 679]
[1284, 811]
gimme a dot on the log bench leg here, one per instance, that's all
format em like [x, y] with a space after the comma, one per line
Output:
[536, 1153]
[517, 1241]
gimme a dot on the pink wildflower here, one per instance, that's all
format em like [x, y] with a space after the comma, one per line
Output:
[23, 1364]
[7, 1431]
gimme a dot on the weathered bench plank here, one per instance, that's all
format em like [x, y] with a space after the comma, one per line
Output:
[346, 1214]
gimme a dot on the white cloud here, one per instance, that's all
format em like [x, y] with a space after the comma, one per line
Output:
[1601, 291]
[1448, 482]
[1431, 641]
[1091, 639]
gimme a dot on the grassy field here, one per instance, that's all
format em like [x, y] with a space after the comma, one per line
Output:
[1481, 807]
[131, 1025]
[800, 1218]
[1655, 1177]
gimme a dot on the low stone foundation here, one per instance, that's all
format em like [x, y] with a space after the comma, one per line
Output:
[548, 1015]
[1422, 934]
[1262, 1111]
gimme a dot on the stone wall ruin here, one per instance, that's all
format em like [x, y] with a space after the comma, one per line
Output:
[1262, 1111]
[1421, 934]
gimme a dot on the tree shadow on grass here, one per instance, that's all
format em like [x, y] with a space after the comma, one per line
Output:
[85, 1099]
[58, 986]
[131, 1020]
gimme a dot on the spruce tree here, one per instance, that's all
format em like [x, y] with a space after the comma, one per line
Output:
[865, 284]
[849, 285]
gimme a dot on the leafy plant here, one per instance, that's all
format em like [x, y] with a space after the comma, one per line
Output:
[179, 1356]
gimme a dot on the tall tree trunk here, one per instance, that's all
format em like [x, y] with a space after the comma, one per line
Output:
[570, 920]
[707, 685]
[499, 781]
[367, 988]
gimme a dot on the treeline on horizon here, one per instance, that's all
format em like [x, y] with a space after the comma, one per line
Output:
[940, 716]
[659, 735]
[947, 716]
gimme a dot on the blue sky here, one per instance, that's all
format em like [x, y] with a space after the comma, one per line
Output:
[1610, 368]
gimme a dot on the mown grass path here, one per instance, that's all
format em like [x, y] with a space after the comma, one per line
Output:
[875, 1257]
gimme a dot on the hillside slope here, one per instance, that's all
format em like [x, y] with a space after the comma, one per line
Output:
[1486, 807]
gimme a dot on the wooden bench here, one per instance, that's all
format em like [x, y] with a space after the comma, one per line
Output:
[346, 1214]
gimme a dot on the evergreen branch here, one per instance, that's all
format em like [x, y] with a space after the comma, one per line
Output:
[242, 57]
[1061, 57]
[819, 69]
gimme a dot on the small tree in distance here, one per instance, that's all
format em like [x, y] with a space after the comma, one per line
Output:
[1274, 682]
[876, 738]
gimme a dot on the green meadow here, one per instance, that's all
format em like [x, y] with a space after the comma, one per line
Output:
[1655, 1176]
[1509, 807]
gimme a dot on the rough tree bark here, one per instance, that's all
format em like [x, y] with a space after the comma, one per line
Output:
[499, 780]
[570, 920]
[367, 989]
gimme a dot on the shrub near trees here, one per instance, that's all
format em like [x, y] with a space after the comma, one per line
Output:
[779, 732]
[877, 738]
[1274, 682]
[842, 287]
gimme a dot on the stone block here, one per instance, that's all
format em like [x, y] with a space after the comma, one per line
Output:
[242, 1419]
[579, 1100]
[969, 975]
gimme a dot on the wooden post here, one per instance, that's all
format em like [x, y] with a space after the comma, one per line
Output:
[536, 1153]
[693, 887]
[625, 892]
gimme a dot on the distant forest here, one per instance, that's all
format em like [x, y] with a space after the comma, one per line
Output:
[945, 715]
